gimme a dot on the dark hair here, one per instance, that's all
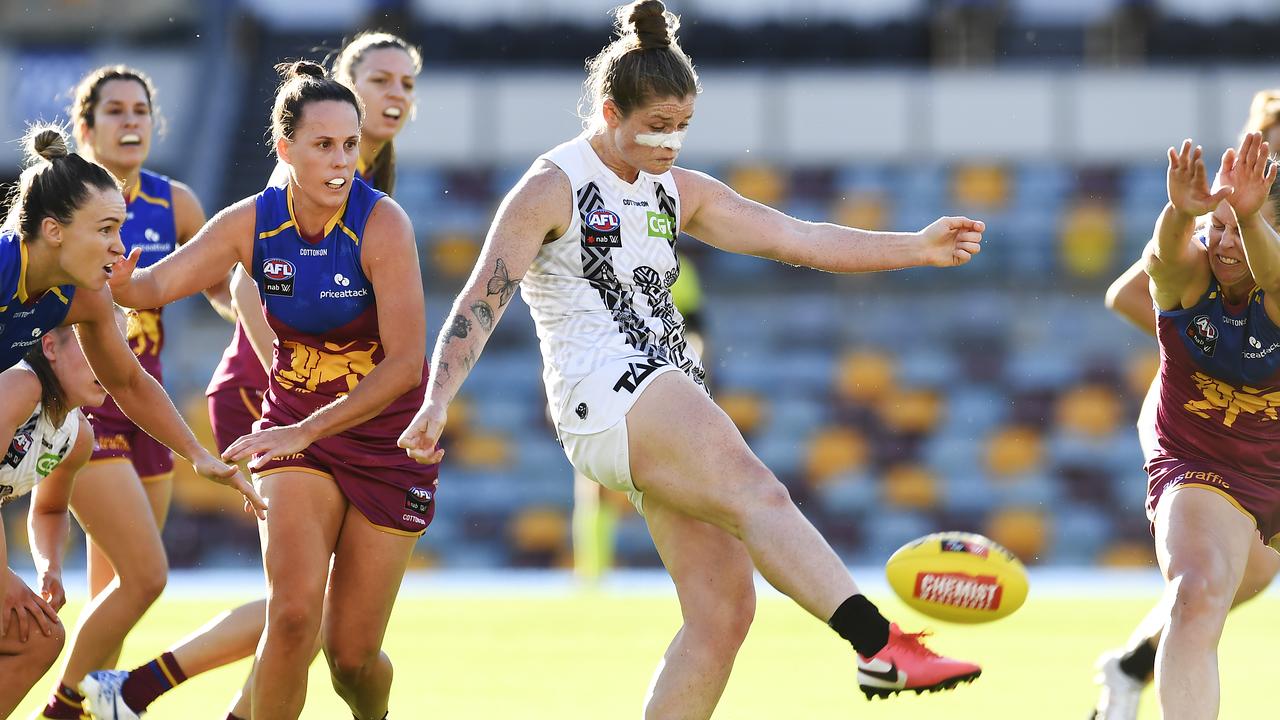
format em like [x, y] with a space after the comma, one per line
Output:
[382, 173]
[87, 93]
[53, 399]
[55, 183]
[644, 62]
[304, 82]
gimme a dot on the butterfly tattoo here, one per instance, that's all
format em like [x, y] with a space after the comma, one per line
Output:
[501, 284]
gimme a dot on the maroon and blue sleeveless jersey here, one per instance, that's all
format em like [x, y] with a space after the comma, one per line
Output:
[1220, 384]
[239, 367]
[324, 313]
[24, 320]
[149, 225]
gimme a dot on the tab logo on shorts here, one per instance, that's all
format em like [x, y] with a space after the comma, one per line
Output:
[277, 277]
[603, 228]
[418, 499]
[1204, 334]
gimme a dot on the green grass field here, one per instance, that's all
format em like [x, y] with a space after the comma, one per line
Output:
[589, 655]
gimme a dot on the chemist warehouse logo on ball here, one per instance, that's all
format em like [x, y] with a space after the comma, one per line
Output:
[973, 592]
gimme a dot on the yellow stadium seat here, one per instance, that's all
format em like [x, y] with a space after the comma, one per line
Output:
[540, 529]
[835, 450]
[745, 409]
[455, 254]
[1140, 370]
[911, 411]
[481, 449]
[758, 182]
[866, 211]
[1090, 410]
[1128, 554]
[1014, 451]
[1089, 238]
[864, 375]
[910, 486]
[1023, 531]
[980, 187]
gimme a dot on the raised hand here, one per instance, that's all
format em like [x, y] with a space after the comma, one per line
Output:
[213, 469]
[420, 440]
[51, 589]
[122, 271]
[1250, 172]
[1188, 183]
[952, 241]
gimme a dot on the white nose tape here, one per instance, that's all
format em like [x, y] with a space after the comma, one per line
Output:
[668, 141]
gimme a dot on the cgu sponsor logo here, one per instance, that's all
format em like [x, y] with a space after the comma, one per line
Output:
[974, 592]
[603, 220]
[661, 225]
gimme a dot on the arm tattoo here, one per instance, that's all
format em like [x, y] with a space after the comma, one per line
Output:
[442, 374]
[458, 328]
[484, 314]
[502, 284]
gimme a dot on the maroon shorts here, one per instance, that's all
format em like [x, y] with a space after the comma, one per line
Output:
[395, 496]
[121, 440]
[1258, 499]
[232, 412]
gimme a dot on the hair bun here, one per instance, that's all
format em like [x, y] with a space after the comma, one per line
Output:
[46, 142]
[300, 68]
[650, 23]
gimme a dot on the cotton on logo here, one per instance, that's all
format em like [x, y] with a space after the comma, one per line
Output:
[603, 220]
[341, 280]
[277, 269]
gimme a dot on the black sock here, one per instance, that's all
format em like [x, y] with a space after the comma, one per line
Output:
[858, 621]
[1140, 662]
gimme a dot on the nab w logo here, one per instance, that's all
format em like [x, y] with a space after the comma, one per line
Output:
[277, 277]
[636, 374]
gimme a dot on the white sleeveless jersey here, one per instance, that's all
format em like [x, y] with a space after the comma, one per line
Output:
[37, 447]
[600, 293]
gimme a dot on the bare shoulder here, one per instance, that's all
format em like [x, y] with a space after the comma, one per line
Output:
[188, 213]
[21, 390]
[388, 226]
[544, 181]
[695, 186]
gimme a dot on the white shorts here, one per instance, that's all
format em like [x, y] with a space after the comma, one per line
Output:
[593, 422]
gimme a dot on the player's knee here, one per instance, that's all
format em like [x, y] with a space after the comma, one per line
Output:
[349, 662]
[293, 620]
[45, 649]
[147, 581]
[723, 630]
[762, 492]
[1200, 595]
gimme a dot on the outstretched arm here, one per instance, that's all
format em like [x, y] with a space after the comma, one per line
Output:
[536, 210]
[204, 262]
[48, 524]
[189, 217]
[717, 215]
[138, 394]
[1130, 297]
[1251, 173]
[253, 320]
[1174, 262]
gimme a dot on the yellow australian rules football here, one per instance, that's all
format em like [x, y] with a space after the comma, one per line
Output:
[958, 577]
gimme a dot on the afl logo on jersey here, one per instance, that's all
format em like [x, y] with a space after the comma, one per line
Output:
[603, 220]
[277, 277]
[602, 228]
[1203, 333]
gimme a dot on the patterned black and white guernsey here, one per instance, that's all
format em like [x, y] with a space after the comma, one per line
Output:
[600, 294]
[36, 448]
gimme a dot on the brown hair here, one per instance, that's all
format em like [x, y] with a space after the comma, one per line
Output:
[1264, 112]
[302, 83]
[382, 173]
[88, 92]
[55, 183]
[53, 399]
[643, 63]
